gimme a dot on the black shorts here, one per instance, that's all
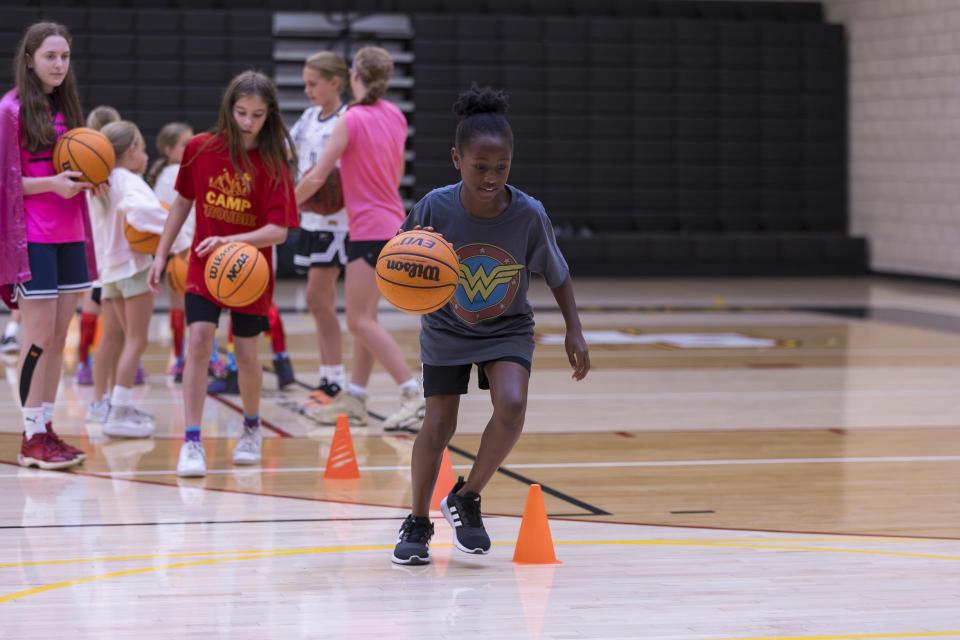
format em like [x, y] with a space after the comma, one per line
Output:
[454, 380]
[55, 269]
[369, 250]
[96, 294]
[244, 325]
[320, 249]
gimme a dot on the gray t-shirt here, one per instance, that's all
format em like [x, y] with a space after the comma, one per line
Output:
[489, 316]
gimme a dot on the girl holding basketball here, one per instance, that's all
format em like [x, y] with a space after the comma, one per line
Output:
[322, 248]
[501, 235]
[47, 259]
[237, 175]
[127, 300]
[172, 139]
[369, 142]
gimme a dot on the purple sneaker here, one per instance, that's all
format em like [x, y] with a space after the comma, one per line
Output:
[84, 374]
[140, 377]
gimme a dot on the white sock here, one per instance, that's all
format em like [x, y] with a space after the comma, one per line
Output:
[410, 385]
[47, 412]
[12, 328]
[337, 374]
[33, 422]
[356, 390]
[122, 397]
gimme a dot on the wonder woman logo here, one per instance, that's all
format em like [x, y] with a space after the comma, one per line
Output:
[489, 280]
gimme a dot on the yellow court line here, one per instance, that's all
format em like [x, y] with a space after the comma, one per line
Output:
[776, 544]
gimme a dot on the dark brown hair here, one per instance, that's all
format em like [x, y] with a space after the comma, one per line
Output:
[36, 120]
[274, 142]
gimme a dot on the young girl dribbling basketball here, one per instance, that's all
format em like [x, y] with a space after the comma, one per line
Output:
[46, 252]
[501, 235]
[242, 164]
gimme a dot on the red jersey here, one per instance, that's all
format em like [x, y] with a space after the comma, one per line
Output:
[230, 201]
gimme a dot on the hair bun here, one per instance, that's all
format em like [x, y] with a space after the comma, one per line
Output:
[476, 100]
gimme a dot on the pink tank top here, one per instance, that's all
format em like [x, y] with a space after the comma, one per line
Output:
[370, 170]
[50, 219]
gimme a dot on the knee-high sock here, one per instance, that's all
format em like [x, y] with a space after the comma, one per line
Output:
[177, 328]
[278, 339]
[88, 331]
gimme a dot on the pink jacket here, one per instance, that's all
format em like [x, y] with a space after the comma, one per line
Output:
[14, 265]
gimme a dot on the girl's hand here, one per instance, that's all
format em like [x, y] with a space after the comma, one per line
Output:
[67, 186]
[155, 273]
[577, 354]
[209, 244]
[101, 189]
[428, 229]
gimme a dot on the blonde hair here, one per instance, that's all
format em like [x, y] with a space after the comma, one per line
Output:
[373, 65]
[122, 134]
[330, 66]
[167, 138]
[101, 116]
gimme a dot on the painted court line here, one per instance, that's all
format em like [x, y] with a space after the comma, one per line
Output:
[552, 465]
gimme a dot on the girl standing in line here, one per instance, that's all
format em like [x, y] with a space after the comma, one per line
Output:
[47, 261]
[369, 142]
[322, 249]
[126, 298]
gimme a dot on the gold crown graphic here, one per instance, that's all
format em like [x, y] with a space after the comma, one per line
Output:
[230, 185]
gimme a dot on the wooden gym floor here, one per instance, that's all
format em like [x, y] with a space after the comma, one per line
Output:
[747, 459]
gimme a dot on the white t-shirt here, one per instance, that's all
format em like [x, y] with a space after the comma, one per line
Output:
[164, 188]
[130, 199]
[310, 135]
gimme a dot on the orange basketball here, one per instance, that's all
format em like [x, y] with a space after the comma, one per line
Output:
[140, 241]
[177, 273]
[87, 151]
[237, 274]
[418, 271]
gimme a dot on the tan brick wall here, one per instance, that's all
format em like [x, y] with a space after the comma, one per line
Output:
[905, 131]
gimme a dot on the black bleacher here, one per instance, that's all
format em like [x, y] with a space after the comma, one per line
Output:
[663, 136]
[697, 137]
[152, 61]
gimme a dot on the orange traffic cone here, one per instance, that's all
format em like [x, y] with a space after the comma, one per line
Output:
[534, 544]
[342, 461]
[445, 481]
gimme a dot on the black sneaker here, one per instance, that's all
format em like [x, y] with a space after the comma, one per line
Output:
[284, 370]
[463, 514]
[330, 389]
[229, 384]
[413, 545]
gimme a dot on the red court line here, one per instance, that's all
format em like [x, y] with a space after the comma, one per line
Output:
[263, 421]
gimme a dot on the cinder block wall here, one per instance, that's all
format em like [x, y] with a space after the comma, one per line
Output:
[905, 131]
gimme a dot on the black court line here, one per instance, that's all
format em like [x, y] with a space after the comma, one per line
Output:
[192, 522]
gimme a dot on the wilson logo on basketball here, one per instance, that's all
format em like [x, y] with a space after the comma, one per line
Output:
[237, 267]
[215, 263]
[415, 270]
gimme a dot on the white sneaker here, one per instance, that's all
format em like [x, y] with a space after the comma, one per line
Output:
[98, 411]
[247, 450]
[9, 344]
[354, 407]
[192, 462]
[410, 413]
[127, 422]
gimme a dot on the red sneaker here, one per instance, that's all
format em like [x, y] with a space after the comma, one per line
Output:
[44, 451]
[70, 449]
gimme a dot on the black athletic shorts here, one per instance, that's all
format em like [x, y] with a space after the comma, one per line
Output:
[369, 250]
[321, 249]
[199, 309]
[454, 380]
